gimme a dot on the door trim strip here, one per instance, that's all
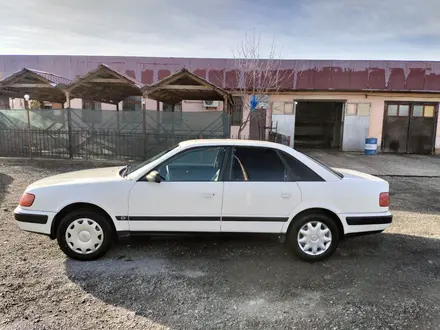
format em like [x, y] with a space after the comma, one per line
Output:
[202, 218]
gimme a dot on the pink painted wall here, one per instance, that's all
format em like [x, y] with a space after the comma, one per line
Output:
[377, 105]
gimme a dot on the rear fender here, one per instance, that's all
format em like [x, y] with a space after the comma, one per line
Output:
[304, 207]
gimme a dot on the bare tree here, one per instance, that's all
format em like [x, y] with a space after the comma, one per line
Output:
[256, 76]
[34, 104]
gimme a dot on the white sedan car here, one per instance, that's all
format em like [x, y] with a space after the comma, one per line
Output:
[215, 186]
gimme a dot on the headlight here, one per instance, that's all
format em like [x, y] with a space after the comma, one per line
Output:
[27, 200]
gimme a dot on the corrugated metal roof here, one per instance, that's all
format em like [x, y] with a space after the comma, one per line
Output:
[54, 78]
[332, 75]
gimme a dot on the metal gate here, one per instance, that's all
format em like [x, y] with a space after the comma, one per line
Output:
[356, 125]
[409, 127]
[257, 123]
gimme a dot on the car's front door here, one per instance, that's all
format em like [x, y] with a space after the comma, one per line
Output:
[261, 191]
[188, 198]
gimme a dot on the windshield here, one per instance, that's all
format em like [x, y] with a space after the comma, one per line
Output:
[324, 165]
[133, 168]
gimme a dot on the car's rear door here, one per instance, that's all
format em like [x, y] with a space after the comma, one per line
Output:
[189, 197]
[260, 191]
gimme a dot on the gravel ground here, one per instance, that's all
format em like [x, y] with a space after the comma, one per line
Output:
[386, 281]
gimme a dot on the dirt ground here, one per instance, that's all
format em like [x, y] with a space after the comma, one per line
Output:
[385, 281]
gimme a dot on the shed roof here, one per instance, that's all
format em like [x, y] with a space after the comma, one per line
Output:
[39, 85]
[105, 84]
[184, 85]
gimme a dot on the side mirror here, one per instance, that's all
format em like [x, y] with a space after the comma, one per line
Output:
[153, 176]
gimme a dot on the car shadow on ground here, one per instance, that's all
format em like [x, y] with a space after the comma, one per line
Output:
[207, 282]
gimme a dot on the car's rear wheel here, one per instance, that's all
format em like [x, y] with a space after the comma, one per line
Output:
[313, 236]
[84, 235]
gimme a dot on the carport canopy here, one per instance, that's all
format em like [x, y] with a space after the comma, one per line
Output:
[39, 85]
[184, 85]
[104, 84]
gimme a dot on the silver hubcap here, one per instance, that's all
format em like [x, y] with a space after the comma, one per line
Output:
[314, 238]
[84, 236]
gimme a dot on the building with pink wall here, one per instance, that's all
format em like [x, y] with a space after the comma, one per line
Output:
[322, 104]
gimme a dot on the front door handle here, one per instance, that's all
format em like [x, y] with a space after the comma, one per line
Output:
[285, 195]
[208, 195]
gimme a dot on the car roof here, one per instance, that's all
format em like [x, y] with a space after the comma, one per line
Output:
[230, 142]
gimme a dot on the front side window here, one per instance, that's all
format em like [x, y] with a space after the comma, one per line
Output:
[201, 164]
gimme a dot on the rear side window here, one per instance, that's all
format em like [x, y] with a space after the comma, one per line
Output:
[266, 164]
[317, 161]
[257, 164]
[299, 171]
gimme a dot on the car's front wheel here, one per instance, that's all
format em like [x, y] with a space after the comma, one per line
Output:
[313, 237]
[84, 235]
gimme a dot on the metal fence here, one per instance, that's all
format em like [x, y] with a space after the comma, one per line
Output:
[89, 134]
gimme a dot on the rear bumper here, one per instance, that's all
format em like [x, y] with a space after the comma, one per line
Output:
[31, 218]
[366, 222]
[363, 220]
[34, 221]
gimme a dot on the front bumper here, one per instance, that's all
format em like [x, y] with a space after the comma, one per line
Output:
[34, 221]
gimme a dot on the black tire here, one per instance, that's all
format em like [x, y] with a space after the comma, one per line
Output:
[67, 221]
[297, 224]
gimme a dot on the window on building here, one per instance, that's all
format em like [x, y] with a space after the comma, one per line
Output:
[351, 109]
[237, 111]
[289, 108]
[358, 109]
[392, 110]
[278, 108]
[132, 103]
[47, 105]
[417, 111]
[283, 108]
[401, 110]
[167, 107]
[429, 111]
[91, 105]
[363, 109]
[420, 110]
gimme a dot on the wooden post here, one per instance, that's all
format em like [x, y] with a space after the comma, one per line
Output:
[173, 114]
[26, 106]
[117, 106]
[227, 118]
[67, 94]
[144, 132]
[157, 117]
[69, 131]
[225, 104]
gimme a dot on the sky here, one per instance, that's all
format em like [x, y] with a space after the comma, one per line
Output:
[302, 29]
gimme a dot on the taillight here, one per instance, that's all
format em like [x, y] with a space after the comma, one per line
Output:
[27, 200]
[384, 199]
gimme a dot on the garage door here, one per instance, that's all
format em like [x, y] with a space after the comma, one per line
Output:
[409, 128]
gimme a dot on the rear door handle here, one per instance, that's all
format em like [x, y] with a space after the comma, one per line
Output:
[286, 195]
[208, 195]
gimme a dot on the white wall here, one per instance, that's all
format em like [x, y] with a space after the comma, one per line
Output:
[285, 124]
